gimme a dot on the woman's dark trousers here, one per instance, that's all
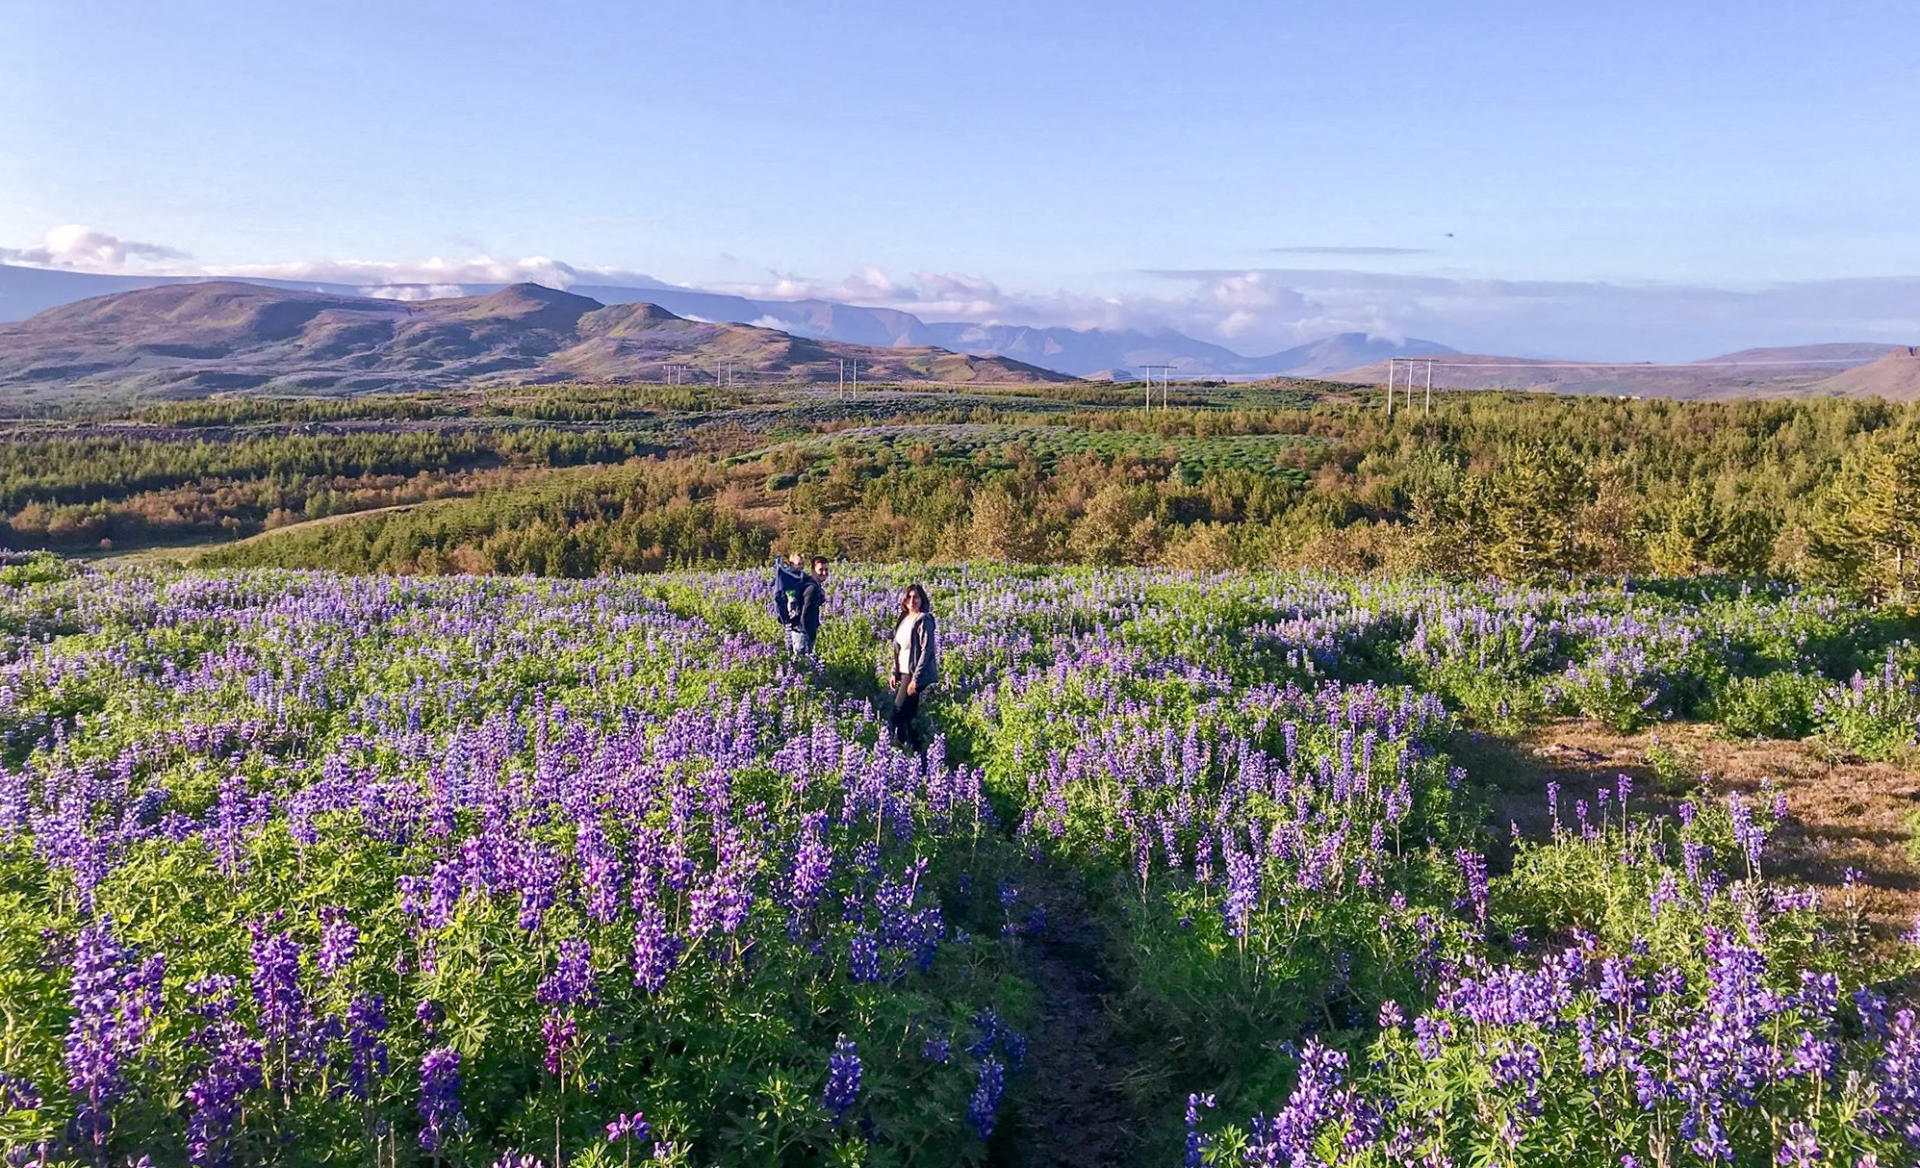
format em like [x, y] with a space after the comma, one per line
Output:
[900, 725]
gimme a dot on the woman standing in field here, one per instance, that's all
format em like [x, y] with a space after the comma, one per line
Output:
[916, 663]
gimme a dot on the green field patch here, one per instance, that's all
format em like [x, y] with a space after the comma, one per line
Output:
[1007, 446]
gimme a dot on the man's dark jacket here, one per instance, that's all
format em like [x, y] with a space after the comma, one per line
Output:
[812, 596]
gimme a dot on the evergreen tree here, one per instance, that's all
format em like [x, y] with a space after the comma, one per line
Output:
[1866, 527]
[1539, 496]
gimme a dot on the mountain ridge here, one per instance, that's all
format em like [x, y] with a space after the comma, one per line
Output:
[196, 337]
[1079, 352]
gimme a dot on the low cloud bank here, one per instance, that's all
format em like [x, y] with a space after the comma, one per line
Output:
[80, 248]
[1253, 311]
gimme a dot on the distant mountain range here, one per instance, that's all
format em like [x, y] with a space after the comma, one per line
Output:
[892, 339]
[181, 339]
[1832, 370]
[1115, 353]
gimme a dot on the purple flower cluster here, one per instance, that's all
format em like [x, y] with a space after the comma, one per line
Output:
[115, 997]
[843, 1079]
[529, 785]
[984, 1104]
[439, 1097]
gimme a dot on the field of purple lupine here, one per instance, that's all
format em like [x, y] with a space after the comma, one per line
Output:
[310, 869]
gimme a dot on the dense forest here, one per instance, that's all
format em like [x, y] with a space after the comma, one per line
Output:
[579, 480]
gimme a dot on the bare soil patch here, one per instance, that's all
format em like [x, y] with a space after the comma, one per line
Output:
[1843, 814]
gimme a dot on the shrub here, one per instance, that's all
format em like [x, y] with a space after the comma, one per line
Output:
[1776, 705]
[1875, 717]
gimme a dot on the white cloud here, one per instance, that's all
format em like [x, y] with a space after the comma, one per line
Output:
[72, 245]
[81, 248]
[1573, 319]
[435, 271]
[798, 328]
[413, 291]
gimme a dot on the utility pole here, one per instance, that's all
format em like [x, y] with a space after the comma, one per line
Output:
[1165, 381]
[1390, 364]
[1429, 385]
[856, 376]
[842, 391]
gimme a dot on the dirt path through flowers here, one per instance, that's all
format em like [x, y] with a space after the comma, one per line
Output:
[1074, 1111]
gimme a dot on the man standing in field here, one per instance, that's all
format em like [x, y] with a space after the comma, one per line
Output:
[802, 616]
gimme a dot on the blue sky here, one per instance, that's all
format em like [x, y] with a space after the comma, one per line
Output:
[1204, 166]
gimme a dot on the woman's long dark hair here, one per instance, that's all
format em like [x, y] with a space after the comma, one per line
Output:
[926, 606]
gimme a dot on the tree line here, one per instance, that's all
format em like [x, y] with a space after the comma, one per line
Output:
[1510, 485]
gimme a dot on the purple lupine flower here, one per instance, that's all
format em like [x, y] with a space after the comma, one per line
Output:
[1244, 874]
[18, 1093]
[1473, 866]
[1749, 835]
[1316, 1099]
[812, 867]
[366, 1024]
[114, 1004]
[444, 888]
[571, 981]
[1872, 1007]
[1196, 1142]
[629, 1127]
[601, 873]
[1800, 1149]
[338, 938]
[439, 1097]
[655, 950]
[560, 1032]
[235, 1066]
[843, 1078]
[538, 877]
[864, 956]
[984, 1103]
[276, 990]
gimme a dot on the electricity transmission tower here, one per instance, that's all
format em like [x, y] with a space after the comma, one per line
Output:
[1165, 373]
[1392, 364]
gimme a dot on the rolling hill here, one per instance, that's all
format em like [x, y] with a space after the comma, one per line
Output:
[1895, 377]
[185, 339]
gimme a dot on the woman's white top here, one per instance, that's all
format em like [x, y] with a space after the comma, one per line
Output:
[903, 640]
